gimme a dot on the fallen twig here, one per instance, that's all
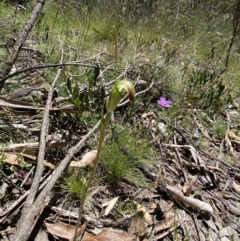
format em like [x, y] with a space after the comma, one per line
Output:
[32, 146]
[40, 161]
[187, 201]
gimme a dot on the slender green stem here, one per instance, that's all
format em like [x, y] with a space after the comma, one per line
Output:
[104, 122]
[119, 90]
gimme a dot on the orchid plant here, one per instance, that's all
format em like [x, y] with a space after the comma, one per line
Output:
[119, 90]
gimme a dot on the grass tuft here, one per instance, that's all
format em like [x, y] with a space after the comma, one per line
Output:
[124, 157]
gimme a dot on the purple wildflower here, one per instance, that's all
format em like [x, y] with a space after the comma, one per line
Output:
[164, 103]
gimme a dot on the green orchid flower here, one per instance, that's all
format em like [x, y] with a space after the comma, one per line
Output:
[119, 90]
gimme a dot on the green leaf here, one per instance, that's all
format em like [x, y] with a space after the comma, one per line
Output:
[69, 86]
[210, 98]
[63, 91]
[222, 72]
[77, 102]
[75, 92]
[96, 74]
[195, 99]
[221, 88]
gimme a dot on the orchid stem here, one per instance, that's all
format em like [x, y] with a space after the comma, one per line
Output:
[103, 125]
[119, 90]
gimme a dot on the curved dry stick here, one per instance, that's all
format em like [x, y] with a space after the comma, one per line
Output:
[44, 66]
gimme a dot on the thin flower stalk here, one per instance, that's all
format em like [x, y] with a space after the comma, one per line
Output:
[120, 90]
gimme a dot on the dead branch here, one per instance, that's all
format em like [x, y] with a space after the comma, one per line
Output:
[188, 201]
[32, 146]
[44, 66]
[40, 159]
[23, 234]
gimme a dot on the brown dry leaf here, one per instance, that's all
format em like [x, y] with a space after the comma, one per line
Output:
[166, 224]
[15, 159]
[147, 217]
[61, 230]
[33, 158]
[152, 205]
[108, 235]
[220, 193]
[233, 136]
[87, 159]
[236, 187]
[150, 113]
[11, 159]
[110, 206]
[162, 205]
[137, 225]
[185, 188]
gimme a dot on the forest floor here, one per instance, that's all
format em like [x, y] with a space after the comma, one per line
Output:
[170, 165]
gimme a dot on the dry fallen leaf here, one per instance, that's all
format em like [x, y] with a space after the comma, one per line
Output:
[189, 201]
[236, 187]
[108, 235]
[186, 189]
[110, 206]
[147, 216]
[33, 158]
[152, 205]
[137, 225]
[15, 159]
[150, 113]
[87, 159]
[61, 230]
[166, 224]
[162, 206]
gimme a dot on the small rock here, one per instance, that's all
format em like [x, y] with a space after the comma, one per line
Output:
[162, 127]
[233, 113]
[227, 231]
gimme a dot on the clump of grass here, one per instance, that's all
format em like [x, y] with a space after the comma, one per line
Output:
[124, 156]
[125, 208]
[203, 143]
[186, 122]
[75, 182]
[219, 128]
[206, 88]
